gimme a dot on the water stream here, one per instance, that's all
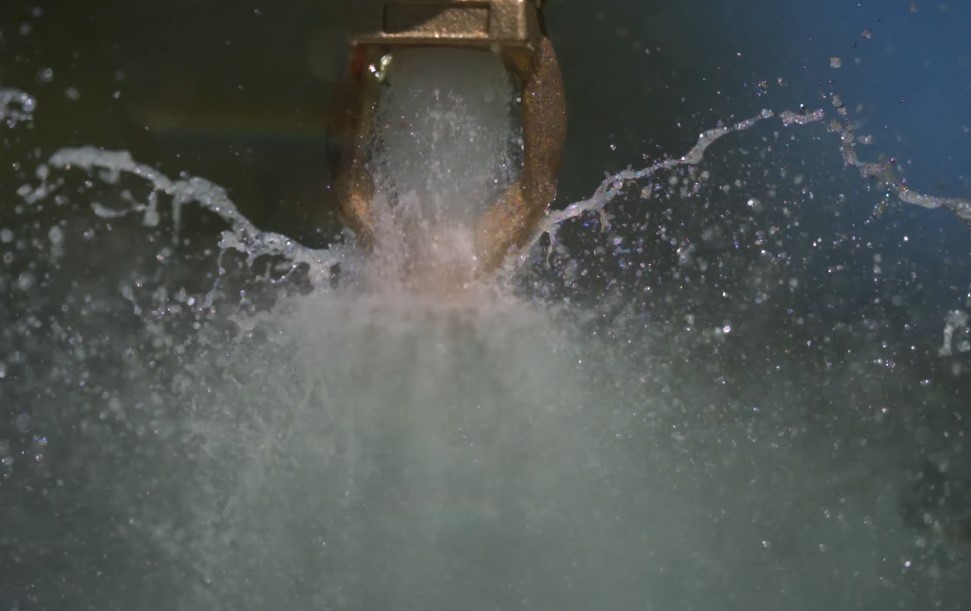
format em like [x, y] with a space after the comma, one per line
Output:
[735, 378]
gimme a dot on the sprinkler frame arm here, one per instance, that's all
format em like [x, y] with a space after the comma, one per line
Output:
[511, 28]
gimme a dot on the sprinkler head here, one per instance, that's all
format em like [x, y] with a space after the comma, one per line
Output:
[510, 28]
[445, 22]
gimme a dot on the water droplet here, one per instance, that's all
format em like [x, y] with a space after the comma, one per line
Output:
[45, 76]
[27, 103]
[151, 218]
[25, 281]
[22, 422]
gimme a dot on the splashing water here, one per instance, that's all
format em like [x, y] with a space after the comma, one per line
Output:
[614, 185]
[15, 107]
[639, 414]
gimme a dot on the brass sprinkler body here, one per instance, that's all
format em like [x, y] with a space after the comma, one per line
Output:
[511, 28]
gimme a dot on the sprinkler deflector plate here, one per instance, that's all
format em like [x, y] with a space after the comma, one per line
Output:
[502, 24]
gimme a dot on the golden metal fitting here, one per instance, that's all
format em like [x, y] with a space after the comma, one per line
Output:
[446, 22]
[511, 28]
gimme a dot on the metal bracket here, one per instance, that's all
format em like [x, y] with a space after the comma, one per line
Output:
[501, 24]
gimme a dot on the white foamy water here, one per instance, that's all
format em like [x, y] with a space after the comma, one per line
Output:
[409, 460]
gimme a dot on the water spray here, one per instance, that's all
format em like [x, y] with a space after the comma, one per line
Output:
[510, 30]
